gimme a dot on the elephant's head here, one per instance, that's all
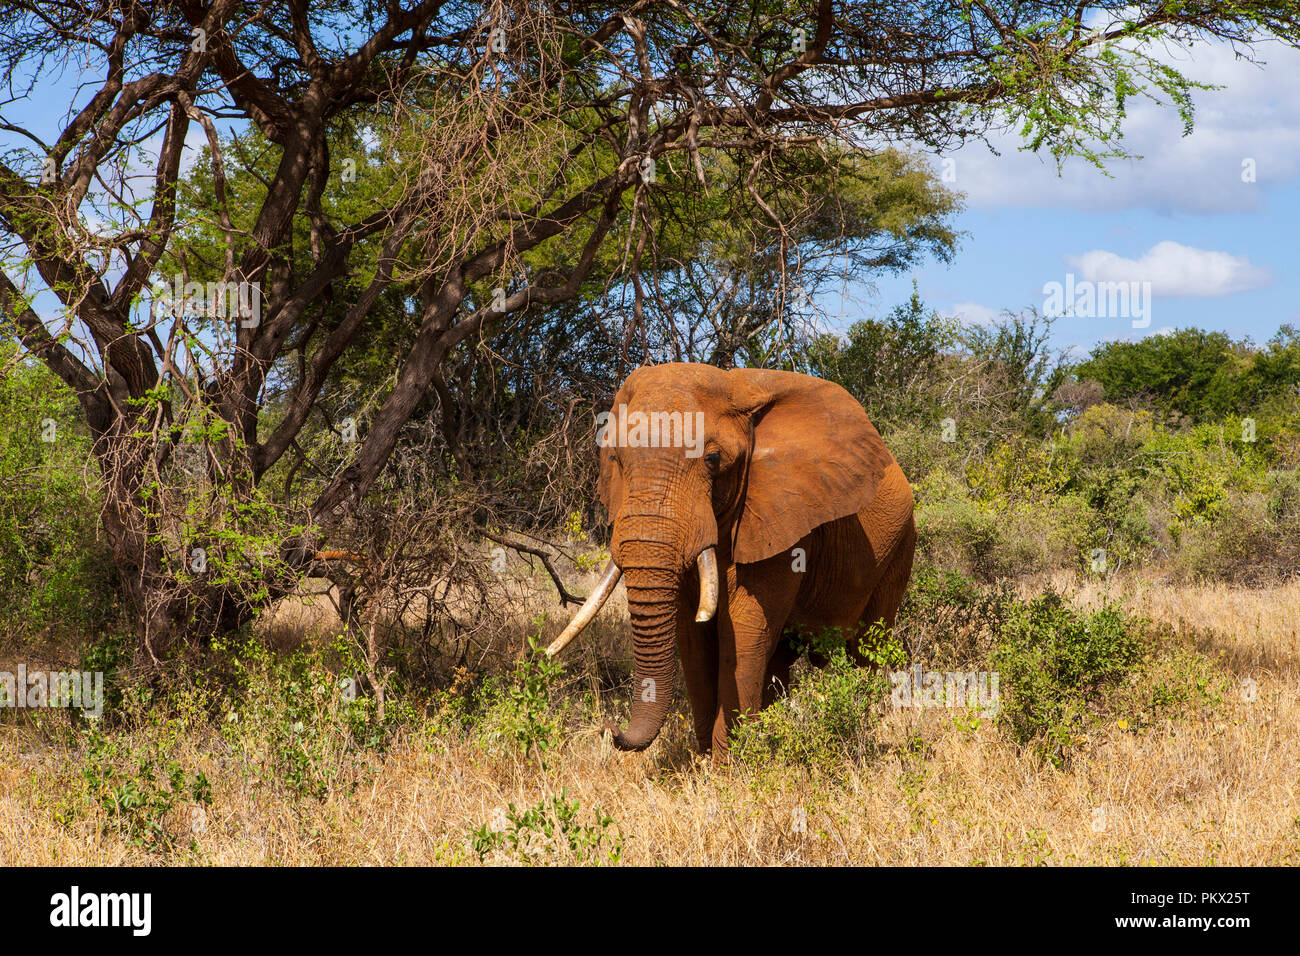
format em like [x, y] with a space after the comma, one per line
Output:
[695, 462]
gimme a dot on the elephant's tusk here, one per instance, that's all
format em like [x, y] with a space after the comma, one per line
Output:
[708, 565]
[590, 608]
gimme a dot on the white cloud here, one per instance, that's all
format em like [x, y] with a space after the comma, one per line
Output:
[1175, 270]
[1256, 118]
[972, 313]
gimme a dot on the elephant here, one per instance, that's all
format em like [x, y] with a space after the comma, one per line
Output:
[778, 492]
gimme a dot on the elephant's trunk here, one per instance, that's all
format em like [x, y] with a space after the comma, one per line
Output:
[652, 595]
[652, 604]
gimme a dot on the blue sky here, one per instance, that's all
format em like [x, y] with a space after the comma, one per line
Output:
[1221, 253]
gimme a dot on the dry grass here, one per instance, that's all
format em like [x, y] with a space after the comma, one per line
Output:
[1215, 788]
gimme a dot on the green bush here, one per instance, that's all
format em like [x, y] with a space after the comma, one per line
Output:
[107, 655]
[1208, 497]
[55, 570]
[302, 726]
[1255, 536]
[957, 532]
[523, 709]
[1195, 374]
[1055, 664]
[829, 716]
[139, 788]
[892, 365]
[550, 831]
[948, 619]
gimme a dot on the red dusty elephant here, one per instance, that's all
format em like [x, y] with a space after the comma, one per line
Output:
[775, 488]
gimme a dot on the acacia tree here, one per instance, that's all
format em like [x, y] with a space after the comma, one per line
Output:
[527, 141]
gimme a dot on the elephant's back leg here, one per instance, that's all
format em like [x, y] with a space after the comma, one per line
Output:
[777, 681]
[888, 593]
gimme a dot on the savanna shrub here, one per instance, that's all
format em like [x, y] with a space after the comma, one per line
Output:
[55, 570]
[523, 709]
[1055, 664]
[1254, 538]
[957, 532]
[829, 716]
[894, 365]
[549, 832]
[1195, 374]
[947, 618]
[107, 655]
[139, 788]
[297, 724]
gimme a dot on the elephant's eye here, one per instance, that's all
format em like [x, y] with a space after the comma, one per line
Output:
[714, 459]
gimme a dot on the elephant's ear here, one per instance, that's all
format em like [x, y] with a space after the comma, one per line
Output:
[816, 457]
[609, 485]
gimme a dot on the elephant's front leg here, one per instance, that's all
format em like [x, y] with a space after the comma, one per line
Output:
[760, 598]
[698, 646]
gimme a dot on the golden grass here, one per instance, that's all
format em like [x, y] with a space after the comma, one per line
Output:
[1214, 789]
